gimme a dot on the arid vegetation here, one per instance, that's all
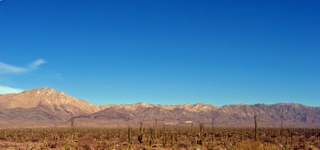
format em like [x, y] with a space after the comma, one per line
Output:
[160, 137]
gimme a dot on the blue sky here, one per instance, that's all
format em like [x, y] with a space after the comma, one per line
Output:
[162, 51]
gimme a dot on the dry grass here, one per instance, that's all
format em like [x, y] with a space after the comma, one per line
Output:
[175, 138]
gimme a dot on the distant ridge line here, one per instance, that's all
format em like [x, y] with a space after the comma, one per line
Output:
[46, 107]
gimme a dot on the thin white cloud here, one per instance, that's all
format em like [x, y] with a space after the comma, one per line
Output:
[6, 90]
[6, 68]
[36, 64]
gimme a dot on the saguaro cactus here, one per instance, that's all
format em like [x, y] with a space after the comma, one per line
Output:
[141, 134]
[155, 128]
[255, 127]
[165, 139]
[212, 129]
[129, 135]
[201, 135]
[281, 130]
[151, 136]
[72, 120]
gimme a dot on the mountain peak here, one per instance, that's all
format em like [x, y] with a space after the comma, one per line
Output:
[40, 90]
[48, 98]
[142, 104]
[45, 89]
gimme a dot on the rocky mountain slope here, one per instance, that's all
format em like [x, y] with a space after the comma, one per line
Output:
[46, 107]
[48, 98]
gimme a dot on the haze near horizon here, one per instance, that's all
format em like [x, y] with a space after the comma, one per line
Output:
[163, 52]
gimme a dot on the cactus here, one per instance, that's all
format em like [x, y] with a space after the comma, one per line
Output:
[129, 136]
[141, 134]
[5, 134]
[291, 137]
[72, 120]
[151, 136]
[201, 135]
[255, 128]
[281, 130]
[212, 129]
[155, 128]
[172, 139]
[165, 139]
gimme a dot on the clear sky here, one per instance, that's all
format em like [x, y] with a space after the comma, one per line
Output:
[164, 51]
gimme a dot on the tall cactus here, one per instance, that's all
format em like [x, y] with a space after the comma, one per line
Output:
[171, 139]
[281, 130]
[141, 134]
[212, 129]
[155, 128]
[72, 120]
[129, 135]
[151, 136]
[201, 134]
[255, 127]
[165, 139]
[164, 136]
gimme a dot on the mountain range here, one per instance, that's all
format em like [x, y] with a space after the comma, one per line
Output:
[45, 107]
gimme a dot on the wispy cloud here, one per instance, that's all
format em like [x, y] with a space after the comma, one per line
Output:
[36, 64]
[6, 89]
[7, 68]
